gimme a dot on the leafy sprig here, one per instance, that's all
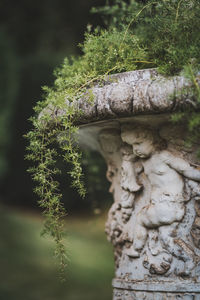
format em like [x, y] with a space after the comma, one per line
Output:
[139, 34]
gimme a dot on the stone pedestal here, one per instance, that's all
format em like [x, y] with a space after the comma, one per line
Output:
[127, 291]
[154, 222]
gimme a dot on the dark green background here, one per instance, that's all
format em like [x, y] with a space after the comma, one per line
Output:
[35, 36]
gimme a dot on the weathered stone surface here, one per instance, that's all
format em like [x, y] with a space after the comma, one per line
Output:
[121, 99]
[154, 222]
[135, 295]
[132, 93]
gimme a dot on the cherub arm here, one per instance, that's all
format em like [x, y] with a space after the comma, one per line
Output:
[183, 167]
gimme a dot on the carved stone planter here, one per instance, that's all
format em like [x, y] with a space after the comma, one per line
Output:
[154, 222]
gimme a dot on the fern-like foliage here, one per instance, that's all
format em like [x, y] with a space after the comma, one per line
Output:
[138, 35]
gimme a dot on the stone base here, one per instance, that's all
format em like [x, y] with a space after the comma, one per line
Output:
[135, 295]
[127, 290]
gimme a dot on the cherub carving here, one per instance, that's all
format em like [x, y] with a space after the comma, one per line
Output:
[121, 172]
[110, 142]
[165, 173]
[129, 184]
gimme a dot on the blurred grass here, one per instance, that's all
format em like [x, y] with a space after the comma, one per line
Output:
[29, 272]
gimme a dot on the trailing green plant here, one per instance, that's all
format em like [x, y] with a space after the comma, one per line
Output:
[191, 116]
[138, 35]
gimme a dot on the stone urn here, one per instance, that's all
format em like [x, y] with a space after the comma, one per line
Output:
[154, 221]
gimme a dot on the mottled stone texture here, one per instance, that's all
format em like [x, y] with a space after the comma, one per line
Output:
[135, 295]
[133, 93]
[154, 222]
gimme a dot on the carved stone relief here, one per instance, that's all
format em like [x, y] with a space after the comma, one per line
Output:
[154, 222]
[136, 295]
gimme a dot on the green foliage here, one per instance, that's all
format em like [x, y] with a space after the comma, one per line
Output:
[168, 29]
[191, 116]
[113, 51]
[139, 34]
[29, 272]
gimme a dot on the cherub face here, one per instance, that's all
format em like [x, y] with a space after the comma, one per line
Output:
[142, 142]
[142, 148]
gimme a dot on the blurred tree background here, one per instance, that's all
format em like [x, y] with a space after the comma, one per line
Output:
[35, 36]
